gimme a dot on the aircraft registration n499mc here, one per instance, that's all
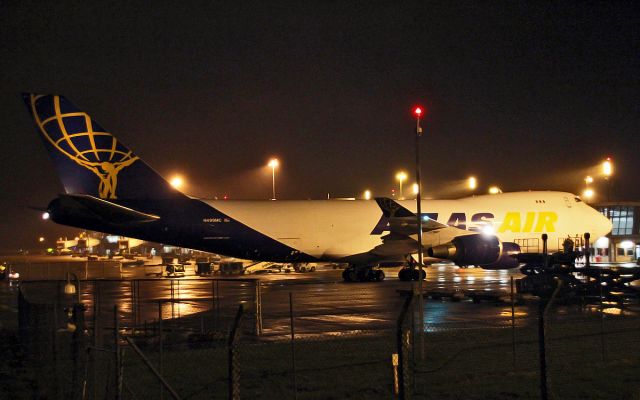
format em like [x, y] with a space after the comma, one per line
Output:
[109, 189]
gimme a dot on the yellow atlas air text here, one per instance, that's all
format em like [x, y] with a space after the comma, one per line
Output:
[531, 221]
[513, 221]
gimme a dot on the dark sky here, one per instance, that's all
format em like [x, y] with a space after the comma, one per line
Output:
[523, 95]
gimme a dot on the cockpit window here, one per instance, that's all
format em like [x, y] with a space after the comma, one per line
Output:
[577, 199]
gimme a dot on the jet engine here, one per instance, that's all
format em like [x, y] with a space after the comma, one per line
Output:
[482, 250]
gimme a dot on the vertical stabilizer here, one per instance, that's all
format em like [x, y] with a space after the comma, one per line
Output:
[90, 160]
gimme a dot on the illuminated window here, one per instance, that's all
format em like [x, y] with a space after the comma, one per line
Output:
[622, 219]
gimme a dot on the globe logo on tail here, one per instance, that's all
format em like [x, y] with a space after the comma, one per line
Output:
[75, 135]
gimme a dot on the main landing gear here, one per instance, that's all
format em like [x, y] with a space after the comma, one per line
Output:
[354, 273]
[411, 274]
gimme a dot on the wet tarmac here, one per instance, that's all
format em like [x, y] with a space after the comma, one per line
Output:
[321, 301]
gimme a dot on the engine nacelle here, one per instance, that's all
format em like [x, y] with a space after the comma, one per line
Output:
[482, 250]
[508, 257]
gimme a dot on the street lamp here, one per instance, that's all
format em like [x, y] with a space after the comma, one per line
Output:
[588, 194]
[472, 183]
[415, 189]
[273, 163]
[607, 170]
[607, 167]
[417, 112]
[177, 181]
[367, 194]
[401, 177]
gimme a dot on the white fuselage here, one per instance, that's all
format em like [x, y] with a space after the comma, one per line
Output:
[335, 229]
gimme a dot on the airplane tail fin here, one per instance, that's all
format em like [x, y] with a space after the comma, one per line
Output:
[90, 160]
[391, 209]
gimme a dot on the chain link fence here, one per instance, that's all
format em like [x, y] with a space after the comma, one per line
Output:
[588, 354]
[238, 338]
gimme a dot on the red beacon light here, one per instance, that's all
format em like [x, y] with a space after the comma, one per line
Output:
[417, 111]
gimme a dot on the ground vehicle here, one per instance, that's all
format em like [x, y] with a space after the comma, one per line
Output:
[175, 269]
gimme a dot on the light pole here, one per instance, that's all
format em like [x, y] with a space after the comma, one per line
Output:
[273, 163]
[401, 177]
[177, 182]
[472, 183]
[607, 170]
[415, 189]
[588, 192]
[417, 111]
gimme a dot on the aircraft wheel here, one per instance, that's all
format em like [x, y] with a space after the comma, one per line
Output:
[379, 274]
[346, 275]
[404, 274]
[372, 275]
[353, 276]
[312, 269]
[303, 269]
[414, 274]
[363, 275]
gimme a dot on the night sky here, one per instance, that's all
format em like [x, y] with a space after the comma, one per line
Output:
[522, 95]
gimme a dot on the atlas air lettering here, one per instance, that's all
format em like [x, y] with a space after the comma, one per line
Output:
[513, 221]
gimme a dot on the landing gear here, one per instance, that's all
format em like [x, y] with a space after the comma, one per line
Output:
[411, 274]
[355, 273]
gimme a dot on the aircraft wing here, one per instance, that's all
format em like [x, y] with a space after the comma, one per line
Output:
[403, 236]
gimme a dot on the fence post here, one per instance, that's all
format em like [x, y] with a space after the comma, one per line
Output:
[258, 296]
[213, 305]
[402, 356]
[234, 368]
[513, 324]
[77, 340]
[96, 337]
[116, 338]
[293, 347]
[543, 308]
[601, 316]
[160, 333]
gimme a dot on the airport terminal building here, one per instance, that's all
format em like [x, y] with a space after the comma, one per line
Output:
[623, 243]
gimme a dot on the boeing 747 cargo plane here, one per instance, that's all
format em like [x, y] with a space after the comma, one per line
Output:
[110, 189]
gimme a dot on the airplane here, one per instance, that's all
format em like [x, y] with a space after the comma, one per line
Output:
[110, 189]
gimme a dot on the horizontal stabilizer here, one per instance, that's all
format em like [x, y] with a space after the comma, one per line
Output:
[104, 210]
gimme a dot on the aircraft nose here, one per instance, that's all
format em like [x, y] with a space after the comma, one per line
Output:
[604, 225]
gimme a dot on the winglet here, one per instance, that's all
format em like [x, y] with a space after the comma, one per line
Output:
[391, 209]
